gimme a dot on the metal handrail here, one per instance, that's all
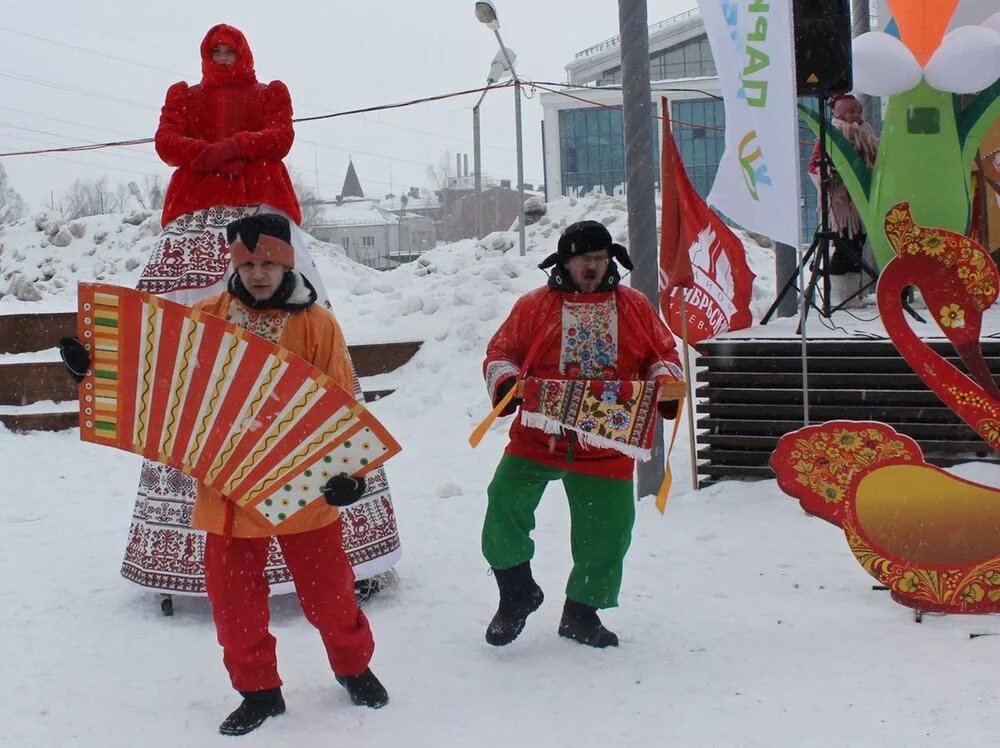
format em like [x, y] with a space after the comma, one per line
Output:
[615, 40]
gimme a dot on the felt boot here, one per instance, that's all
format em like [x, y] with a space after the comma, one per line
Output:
[520, 596]
[581, 624]
[365, 689]
[256, 707]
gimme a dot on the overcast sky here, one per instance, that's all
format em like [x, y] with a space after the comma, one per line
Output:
[75, 72]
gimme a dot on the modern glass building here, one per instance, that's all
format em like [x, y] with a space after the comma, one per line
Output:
[584, 140]
[592, 150]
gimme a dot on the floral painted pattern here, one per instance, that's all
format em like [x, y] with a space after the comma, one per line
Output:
[589, 340]
[264, 323]
[971, 262]
[822, 466]
[616, 415]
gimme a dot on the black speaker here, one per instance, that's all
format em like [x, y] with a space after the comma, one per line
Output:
[822, 46]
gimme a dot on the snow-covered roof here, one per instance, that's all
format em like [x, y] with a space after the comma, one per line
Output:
[355, 212]
[424, 202]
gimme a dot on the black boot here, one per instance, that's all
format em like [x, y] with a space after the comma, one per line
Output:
[520, 596]
[365, 689]
[256, 707]
[581, 624]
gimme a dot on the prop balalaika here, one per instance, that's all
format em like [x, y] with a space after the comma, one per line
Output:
[236, 412]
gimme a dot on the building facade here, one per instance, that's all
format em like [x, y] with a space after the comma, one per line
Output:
[584, 136]
[372, 235]
[379, 233]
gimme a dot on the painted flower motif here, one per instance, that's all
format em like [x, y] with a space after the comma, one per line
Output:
[619, 420]
[992, 578]
[990, 428]
[910, 582]
[865, 456]
[973, 593]
[831, 493]
[849, 441]
[611, 392]
[588, 425]
[952, 315]
[932, 244]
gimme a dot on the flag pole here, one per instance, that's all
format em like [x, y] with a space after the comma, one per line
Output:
[689, 380]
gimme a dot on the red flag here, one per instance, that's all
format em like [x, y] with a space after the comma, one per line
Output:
[700, 257]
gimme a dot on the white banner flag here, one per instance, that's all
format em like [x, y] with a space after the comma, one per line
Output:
[758, 181]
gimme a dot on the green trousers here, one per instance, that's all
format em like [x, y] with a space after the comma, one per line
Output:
[602, 512]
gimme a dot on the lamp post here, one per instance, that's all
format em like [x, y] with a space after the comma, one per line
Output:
[486, 12]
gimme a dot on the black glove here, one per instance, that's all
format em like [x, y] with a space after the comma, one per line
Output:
[502, 389]
[343, 490]
[75, 357]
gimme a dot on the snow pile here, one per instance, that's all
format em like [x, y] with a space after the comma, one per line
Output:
[45, 256]
[743, 621]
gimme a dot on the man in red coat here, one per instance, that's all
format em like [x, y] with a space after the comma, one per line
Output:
[582, 325]
[227, 135]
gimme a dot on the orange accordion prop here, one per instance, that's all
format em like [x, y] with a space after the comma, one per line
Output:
[238, 413]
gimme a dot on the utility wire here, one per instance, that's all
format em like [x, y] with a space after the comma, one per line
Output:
[376, 108]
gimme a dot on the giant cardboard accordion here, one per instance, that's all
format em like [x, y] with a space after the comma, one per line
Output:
[236, 412]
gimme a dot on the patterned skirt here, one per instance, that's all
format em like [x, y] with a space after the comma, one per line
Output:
[190, 262]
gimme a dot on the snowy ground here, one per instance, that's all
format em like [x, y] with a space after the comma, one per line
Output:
[743, 621]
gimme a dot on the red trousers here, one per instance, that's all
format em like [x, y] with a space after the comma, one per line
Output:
[324, 584]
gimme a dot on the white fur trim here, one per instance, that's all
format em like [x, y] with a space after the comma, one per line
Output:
[300, 294]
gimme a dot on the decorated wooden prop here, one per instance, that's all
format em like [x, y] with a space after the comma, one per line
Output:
[617, 415]
[958, 281]
[932, 130]
[933, 539]
[234, 411]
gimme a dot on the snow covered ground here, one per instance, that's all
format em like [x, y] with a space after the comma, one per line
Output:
[743, 621]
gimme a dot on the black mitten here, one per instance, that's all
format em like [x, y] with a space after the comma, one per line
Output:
[343, 490]
[501, 392]
[75, 357]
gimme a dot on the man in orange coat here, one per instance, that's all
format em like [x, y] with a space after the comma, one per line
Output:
[269, 298]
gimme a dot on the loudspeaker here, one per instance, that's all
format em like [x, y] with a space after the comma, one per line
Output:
[822, 46]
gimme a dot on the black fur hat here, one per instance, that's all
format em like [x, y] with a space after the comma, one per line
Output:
[249, 229]
[583, 237]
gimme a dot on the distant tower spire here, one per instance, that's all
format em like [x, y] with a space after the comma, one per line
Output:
[352, 185]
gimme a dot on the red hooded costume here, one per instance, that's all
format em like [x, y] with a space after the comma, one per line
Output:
[227, 135]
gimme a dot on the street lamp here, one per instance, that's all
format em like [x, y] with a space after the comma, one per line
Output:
[486, 13]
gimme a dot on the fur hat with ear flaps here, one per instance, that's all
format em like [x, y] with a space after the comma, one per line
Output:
[583, 237]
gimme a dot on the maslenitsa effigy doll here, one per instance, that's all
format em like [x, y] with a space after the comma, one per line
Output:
[227, 136]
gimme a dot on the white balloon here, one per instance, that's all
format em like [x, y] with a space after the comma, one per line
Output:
[883, 65]
[993, 22]
[967, 61]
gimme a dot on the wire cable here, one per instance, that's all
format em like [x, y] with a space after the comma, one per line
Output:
[376, 108]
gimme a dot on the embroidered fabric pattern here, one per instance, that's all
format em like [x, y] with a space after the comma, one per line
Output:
[589, 339]
[264, 323]
[191, 252]
[614, 415]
